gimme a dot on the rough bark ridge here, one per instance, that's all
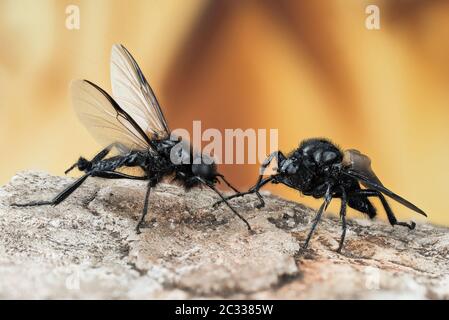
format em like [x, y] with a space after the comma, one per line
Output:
[86, 247]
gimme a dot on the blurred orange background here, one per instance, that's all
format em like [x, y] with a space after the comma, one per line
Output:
[309, 68]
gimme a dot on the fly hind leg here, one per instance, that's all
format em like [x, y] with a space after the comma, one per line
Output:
[59, 198]
[390, 215]
[75, 185]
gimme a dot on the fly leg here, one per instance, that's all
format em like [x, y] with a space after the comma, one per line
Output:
[103, 174]
[225, 201]
[120, 175]
[260, 181]
[254, 189]
[343, 218]
[145, 207]
[257, 187]
[59, 198]
[117, 175]
[327, 200]
[72, 187]
[227, 183]
[390, 215]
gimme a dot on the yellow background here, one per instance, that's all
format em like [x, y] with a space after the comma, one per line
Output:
[309, 68]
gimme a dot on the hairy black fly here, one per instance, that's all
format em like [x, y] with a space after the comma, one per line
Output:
[320, 169]
[133, 124]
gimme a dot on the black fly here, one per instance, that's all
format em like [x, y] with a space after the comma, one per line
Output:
[133, 124]
[320, 169]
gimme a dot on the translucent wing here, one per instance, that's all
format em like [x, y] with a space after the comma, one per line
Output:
[104, 119]
[132, 92]
[358, 166]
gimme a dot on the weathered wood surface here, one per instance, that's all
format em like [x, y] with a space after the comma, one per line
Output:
[86, 247]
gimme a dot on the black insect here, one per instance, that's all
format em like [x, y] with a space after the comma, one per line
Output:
[133, 125]
[320, 169]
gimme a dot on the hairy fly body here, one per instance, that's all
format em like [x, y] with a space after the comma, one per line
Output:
[318, 168]
[132, 123]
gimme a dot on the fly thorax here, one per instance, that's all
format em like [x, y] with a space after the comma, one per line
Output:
[289, 166]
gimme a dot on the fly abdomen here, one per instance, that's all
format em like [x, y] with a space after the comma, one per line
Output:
[108, 164]
[113, 163]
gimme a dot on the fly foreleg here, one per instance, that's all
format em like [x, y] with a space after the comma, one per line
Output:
[260, 181]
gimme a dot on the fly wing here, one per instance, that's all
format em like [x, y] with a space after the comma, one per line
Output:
[105, 120]
[356, 161]
[133, 93]
[358, 166]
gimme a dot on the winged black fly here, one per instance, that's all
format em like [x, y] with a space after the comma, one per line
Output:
[133, 125]
[320, 169]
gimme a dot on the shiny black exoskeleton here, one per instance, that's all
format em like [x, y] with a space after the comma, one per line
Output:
[320, 169]
[155, 166]
[198, 170]
[133, 123]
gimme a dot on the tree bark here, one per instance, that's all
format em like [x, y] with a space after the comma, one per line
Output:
[86, 247]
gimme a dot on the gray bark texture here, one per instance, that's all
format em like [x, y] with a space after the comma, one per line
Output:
[86, 247]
